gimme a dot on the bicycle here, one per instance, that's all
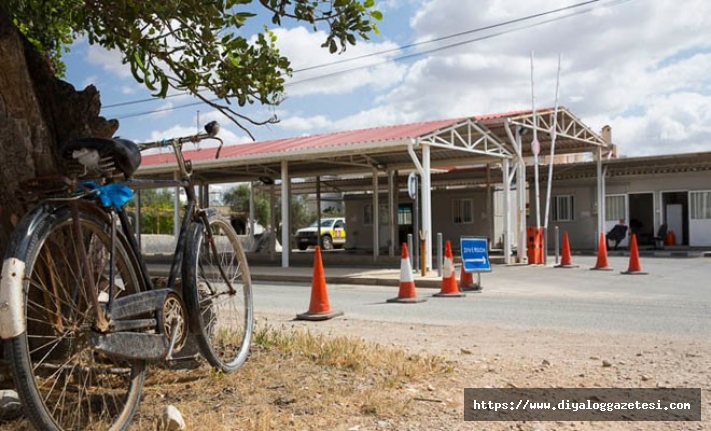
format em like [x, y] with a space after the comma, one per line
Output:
[80, 315]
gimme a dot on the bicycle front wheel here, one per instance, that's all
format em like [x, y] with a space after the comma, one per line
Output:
[63, 382]
[218, 294]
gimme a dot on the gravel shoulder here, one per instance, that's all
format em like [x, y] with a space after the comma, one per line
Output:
[510, 357]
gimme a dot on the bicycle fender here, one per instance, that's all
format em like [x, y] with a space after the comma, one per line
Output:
[12, 276]
[12, 322]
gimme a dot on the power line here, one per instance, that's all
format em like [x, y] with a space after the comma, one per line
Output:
[388, 51]
[150, 99]
[451, 36]
[404, 57]
[453, 45]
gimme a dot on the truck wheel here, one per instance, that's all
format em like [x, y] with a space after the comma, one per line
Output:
[326, 242]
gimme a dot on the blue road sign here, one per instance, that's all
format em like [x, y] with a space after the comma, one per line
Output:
[475, 254]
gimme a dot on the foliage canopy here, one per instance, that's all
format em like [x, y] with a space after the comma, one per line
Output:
[194, 46]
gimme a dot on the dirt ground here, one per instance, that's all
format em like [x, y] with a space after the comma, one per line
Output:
[494, 357]
[288, 390]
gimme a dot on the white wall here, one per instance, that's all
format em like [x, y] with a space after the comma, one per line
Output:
[699, 233]
[361, 237]
[582, 231]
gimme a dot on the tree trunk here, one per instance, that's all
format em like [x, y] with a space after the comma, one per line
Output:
[38, 114]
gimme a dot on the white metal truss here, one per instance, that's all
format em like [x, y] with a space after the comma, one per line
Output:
[468, 136]
[567, 126]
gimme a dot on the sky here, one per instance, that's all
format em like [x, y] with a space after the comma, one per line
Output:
[642, 67]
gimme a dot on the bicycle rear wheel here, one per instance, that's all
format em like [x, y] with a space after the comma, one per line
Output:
[218, 294]
[63, 382]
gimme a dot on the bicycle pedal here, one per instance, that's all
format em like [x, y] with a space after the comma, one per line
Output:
[132, 345]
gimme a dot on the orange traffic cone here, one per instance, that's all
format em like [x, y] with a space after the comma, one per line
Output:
[566, 261]
[319, 308]
[466, 280]
[634, 267]
[407, 293]
[449, 277]
[601, 263]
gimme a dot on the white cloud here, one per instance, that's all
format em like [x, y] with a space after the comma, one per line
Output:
[226, 134]
[109, 60]
[639, 66]
[301, 124]
[650, 59]
[667, 122]
[393, 5]
[303, 48]
[162, 110]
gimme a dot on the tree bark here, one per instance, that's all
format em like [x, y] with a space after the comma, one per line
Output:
[38, 114]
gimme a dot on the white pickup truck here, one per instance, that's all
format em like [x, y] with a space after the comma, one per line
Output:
[333, 234]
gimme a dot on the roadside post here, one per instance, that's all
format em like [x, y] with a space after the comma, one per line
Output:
[475, 257]
[440, 254]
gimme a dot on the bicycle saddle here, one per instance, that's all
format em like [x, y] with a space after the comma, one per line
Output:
[103, 156]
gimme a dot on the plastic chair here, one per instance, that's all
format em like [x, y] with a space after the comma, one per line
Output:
[659, 239]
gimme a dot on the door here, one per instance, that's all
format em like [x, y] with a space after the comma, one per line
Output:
[675, 210]
[616, 211]
[641, 217]
[675, 221]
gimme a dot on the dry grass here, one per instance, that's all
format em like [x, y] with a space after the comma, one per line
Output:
[296, 380]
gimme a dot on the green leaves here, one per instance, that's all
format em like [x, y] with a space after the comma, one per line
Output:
[192, 45]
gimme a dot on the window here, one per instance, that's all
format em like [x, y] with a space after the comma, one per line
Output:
[700, 205]
[615, 208]
[563, 208]
[462, 211]
[404, 214]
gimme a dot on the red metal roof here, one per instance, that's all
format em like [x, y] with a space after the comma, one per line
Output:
[326, 140]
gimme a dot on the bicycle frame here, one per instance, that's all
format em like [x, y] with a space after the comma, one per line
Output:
[77, 298]
[190, 213]
[187, 184]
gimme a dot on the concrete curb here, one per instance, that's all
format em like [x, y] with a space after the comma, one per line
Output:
[367, 281]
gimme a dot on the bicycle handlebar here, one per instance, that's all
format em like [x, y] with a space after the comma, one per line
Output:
[211, 130]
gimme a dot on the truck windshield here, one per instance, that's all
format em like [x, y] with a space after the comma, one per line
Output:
[324, 223]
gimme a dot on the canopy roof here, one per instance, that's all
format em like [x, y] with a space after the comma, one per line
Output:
[466, 141]
[478, 176]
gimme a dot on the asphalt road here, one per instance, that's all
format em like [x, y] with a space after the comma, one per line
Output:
[673, 299]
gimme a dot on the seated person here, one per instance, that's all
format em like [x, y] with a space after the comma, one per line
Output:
[617, 233]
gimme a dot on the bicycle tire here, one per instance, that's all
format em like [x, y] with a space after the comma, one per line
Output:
[64, 384]
[222, 320]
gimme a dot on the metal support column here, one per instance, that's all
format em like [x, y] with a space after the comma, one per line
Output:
[427, 205]
[521, 200]
[252, 240]
[600, 199]
[507, 212]
[376, 217]
[285, 223]
[392, 216]
[272, 223]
